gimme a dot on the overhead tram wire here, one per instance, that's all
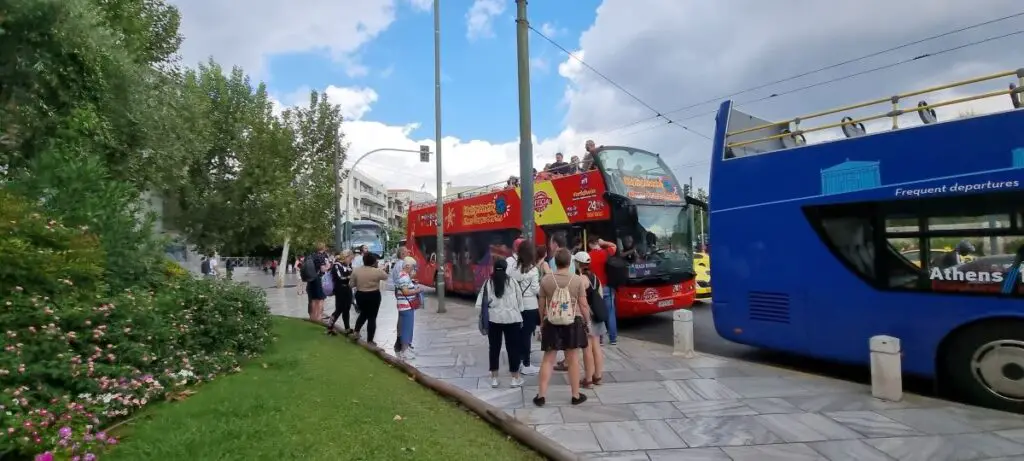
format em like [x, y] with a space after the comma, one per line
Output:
[657, 113]
[670, 121]
[822, 69]
[868, 71]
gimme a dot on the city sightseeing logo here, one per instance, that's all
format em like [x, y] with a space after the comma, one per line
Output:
[501, 206]
[541, 201]
[650, 296]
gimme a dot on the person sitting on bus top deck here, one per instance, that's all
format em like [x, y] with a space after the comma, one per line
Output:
[559, 168]
[588, 160]
[544, 174]
[956, 257]
[574, 165]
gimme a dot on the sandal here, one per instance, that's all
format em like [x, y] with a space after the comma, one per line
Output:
[561, 366]
[587, 384]
[597, 380]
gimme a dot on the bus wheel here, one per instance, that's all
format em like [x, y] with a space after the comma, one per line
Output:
[984, 365]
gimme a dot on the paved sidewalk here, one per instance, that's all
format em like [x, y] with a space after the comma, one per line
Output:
[656, 407]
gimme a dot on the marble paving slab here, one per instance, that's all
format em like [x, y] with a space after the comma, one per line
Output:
[653, 406]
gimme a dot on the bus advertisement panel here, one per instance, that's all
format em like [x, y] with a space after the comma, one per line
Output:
[915, 233]
[482, 227]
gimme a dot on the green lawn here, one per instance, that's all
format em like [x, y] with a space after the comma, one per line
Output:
[312, 397]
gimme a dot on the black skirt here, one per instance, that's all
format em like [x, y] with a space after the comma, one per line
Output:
[563, 337]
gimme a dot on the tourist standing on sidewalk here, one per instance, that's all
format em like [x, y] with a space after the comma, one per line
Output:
[600, 251]
[503, 301]
[407, 297]
[593, 356]
[314, 267]
[298, 268]
[525, 273]
[366, 280]
[564, 314]
[342, 273]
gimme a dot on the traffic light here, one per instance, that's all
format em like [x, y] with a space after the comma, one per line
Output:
[425, 154]
[686, 190]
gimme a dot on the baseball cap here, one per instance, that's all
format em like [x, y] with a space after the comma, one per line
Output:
[582, 257]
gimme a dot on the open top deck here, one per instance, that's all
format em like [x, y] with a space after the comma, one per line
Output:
[746, 135]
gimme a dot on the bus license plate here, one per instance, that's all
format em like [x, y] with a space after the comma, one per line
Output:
[665, 303]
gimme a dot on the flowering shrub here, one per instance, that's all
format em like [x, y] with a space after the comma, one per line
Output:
[77, 357]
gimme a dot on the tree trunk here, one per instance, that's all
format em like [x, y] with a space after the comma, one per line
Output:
[283, 267]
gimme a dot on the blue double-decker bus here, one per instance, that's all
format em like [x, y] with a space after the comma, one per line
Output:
[912, 228]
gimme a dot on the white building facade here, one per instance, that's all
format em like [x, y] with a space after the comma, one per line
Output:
[399, 199]
[368, 196]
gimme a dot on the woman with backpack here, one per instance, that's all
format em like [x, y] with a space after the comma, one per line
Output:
[501, 303]
[564, 315]
[593, 356]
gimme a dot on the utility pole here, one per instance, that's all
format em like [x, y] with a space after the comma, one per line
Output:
[338, 222]
[437, 141]
[525, 130]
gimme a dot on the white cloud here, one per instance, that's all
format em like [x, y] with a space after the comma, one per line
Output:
[480, 18]
[247, 34]
[354, 102]
[638, 43]
[671, 54]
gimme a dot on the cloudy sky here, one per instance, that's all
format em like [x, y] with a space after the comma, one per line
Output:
[375, 58]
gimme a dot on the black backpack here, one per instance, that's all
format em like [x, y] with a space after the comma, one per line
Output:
[205, 267]
[595, 298]
[618, 271]
[309, 270]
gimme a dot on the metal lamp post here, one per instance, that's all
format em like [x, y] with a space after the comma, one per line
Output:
[437, 142]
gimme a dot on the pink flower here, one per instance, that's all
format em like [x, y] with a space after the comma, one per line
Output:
[48, 456]
[65, 432]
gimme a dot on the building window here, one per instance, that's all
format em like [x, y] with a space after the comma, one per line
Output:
[966, 244]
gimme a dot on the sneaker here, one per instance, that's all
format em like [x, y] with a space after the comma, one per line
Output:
[529, 370]
[494, 382]
[540, 401]
[409, 354]
[614, 342]
[517, 382]
[578, 400]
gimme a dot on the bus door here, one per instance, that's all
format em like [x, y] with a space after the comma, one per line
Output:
[427, 247]
[574, 236]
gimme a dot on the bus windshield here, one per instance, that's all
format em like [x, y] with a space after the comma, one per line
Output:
[365, 234]
[661, 240]
[639, 175]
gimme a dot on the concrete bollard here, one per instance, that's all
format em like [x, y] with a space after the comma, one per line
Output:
[886, 368]
[682, 333]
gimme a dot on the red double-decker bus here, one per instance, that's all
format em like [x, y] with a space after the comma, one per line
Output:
[628, 197]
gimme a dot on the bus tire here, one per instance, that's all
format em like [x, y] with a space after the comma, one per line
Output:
[983, 365]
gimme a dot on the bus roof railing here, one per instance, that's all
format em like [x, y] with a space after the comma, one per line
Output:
[1014, 91]
[488, 188]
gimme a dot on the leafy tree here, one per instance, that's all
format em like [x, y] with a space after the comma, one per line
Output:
[309, 216]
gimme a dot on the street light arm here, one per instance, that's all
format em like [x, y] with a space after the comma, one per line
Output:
[348, 180]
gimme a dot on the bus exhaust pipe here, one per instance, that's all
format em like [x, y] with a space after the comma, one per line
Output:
[886, 368]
